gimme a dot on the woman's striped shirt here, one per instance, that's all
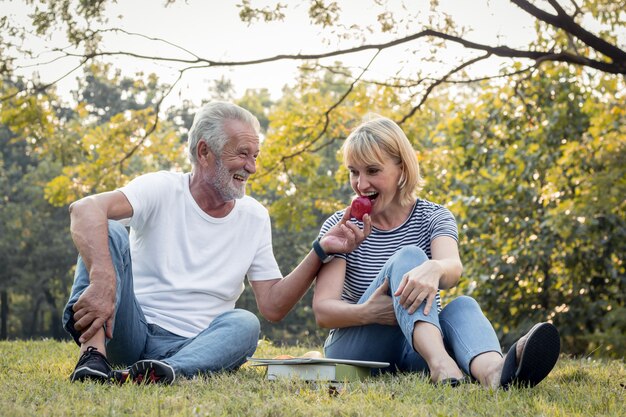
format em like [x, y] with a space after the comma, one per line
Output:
[426, 222]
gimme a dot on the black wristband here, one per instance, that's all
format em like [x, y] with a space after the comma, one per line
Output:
[324, 257]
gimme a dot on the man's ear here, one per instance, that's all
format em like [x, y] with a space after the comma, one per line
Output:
[203, 153]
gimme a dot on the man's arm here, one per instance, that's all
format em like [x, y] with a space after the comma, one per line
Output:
[89, 228]
[275, 298]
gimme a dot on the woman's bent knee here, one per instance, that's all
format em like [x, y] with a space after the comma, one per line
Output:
[465, 302]
[410, 253]
[402, 262]
[464, 305]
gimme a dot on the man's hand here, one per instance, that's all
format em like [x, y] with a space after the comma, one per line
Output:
[346, 236]
[379, 307]
[419, 284]
[94, 310]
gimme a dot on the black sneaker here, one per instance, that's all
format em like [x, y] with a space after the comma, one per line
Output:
[120, 376]
[149, 371]
[93, 366]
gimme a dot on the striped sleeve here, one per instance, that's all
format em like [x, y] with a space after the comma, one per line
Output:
[442, 223]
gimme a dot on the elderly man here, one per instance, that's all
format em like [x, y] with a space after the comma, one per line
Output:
[162, 299]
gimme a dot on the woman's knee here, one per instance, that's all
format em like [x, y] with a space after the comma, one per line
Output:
[404, 260]
[409, 256]
[464, 303]
[410, 252]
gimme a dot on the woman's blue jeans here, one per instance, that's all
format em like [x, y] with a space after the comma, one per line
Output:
[466, 331]
[223, 346]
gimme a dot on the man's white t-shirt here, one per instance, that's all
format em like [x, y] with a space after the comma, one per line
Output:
[189, 267]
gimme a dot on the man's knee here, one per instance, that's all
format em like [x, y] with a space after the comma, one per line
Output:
[117, 231]
[247, 320]
[243, 323]
[119, 242]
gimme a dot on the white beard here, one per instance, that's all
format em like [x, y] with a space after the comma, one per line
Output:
[224, 183]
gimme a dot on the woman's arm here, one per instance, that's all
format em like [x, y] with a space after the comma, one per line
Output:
[332, 312]
[445, 253]
[441, 272]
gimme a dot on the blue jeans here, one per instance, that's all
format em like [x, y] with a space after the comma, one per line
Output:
[223, 346]
[466, 331]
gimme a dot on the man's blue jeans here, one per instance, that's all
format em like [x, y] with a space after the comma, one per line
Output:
[466, 331]
[223, 346]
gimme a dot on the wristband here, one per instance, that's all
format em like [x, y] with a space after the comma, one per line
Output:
[324, 257]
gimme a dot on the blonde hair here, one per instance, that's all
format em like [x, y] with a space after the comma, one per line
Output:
[378, 137]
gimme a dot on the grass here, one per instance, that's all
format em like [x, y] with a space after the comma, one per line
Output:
[34, 382]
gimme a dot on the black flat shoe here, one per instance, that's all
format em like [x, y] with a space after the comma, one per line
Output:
[537, 359]
[453, 382]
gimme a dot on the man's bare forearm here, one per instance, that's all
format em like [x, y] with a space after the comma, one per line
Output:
[89, 230]
[281, 295]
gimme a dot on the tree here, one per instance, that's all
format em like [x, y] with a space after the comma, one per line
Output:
[530, 170]
[585, 34]
[563, 35]
[529, 159]
[35, 248]
[50, 155]
[113, 136]
[539, 196]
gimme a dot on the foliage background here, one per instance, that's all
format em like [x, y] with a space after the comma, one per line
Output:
[531, 163]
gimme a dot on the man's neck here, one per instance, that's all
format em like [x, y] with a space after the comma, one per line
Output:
[208, 199]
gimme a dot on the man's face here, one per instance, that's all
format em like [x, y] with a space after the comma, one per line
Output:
[237, 162]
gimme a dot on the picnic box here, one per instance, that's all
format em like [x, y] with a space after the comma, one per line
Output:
[317, 369]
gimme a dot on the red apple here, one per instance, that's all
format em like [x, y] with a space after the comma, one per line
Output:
[360, 206]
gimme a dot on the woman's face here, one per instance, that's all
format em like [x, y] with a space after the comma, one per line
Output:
[377, 181]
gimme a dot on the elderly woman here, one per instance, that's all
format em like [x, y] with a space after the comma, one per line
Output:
[382, 299]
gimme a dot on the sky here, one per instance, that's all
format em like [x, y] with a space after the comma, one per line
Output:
[212, 29]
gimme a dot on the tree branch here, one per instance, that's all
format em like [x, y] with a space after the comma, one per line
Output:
[326, 116]
[404, 83]
[438, 82]
[43, 87]
[154, 125]
[563, 21]
[617, 67]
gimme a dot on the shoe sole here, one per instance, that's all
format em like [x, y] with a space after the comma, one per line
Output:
[151, 372]
[538, 357]
[120, 376]
[86, 373]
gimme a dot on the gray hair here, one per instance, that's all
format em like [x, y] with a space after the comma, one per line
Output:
[208, 126]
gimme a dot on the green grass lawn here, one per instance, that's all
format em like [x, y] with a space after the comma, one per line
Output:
[34, 382]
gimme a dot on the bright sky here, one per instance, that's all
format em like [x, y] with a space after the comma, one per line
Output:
[212, 29]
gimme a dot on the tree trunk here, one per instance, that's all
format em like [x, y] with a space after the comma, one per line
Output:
[4, 314]
[32, 332]
[55, 318]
